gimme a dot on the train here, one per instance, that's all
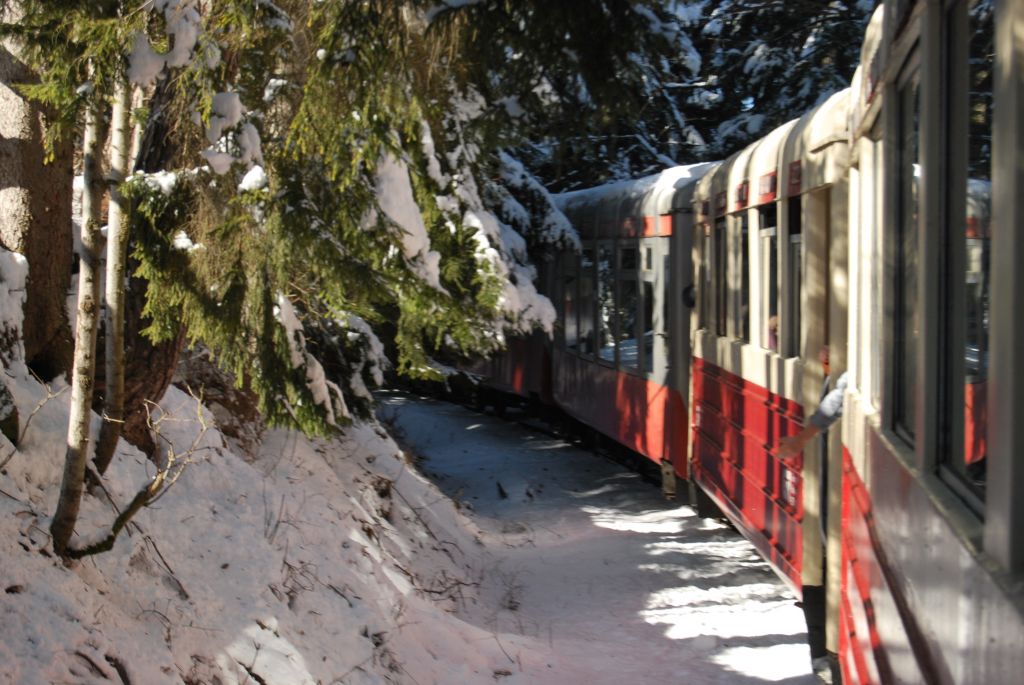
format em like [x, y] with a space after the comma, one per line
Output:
[878, 239]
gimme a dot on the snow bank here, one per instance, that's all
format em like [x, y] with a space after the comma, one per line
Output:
[300, 561]
[308, 561]
[13, 275]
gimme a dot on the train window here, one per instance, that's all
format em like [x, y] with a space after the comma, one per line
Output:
[721, 284]
[606, 302]
[796, 281]
[627, 259]
[971, 48]
[875, 270]
[587, 302]
[742, 241]
[666, 274]
[907, 322]
[570, 267]
[648, 337]
[626, 309]
[704, 278]
[768, 219]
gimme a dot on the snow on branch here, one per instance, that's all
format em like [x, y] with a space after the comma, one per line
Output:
[553, 228]
[325, 392]
[395, 197]
[375, 360]
[184, 26]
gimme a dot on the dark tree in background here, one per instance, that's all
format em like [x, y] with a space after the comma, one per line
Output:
[618, 88]
[772, 60]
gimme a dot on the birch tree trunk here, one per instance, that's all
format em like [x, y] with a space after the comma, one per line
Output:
[84, 364]
[117, 247]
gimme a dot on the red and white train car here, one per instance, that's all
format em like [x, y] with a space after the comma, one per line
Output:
[886, 226]
[929, 571]
[620, 360]
[771, 223]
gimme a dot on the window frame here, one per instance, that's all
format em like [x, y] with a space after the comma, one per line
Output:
[623, 276]
[956, 35]
[581, 310]
[794, 284]
[720, 271]
[768, 253]
[599, 329]
[905, 410]
[569, 291]
[704, 281]
[738, 269]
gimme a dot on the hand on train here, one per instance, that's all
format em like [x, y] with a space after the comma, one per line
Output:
[792, 445]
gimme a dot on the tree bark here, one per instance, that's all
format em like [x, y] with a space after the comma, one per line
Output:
[35, 220]
[149, 368]
[117, 247]
[84, 365]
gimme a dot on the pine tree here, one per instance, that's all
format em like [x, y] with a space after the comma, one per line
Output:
[768, 61]
[346, 185]
[325, 171]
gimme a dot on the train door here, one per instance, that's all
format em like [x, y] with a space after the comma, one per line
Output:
[680, 307]
[667, 417]
[654, 276]
[824, 319]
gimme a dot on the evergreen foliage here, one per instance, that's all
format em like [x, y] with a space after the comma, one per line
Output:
[772, 60]
[304, 130]
[706, 79]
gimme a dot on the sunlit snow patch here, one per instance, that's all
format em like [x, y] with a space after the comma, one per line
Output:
[260, 651]
[728, 611]
[772, 663]
[647, 522]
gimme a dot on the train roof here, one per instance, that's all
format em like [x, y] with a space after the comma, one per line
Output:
[801, 154]
[612, 203]
[868, 75]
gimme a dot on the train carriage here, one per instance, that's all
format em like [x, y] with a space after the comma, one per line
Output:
[620, 357]
[768, 248]
[887, 227]
[932, 554]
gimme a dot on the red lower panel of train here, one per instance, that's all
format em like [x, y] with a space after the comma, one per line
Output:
[736, 430]
[644, 416]
[879, 638]
[860, 653]
[523, 369]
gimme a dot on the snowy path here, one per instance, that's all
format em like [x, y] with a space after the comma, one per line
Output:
[587, 559]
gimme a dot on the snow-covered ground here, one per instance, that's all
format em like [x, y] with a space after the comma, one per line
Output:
[335, 561]
[612, 583]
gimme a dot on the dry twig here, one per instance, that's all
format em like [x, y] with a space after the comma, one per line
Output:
[166, 476]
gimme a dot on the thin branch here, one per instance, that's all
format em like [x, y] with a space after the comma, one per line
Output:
[24, 429]
[164, 478]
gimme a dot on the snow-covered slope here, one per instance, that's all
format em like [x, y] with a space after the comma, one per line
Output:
[309, 561]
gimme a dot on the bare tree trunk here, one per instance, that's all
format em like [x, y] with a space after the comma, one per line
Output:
[35, 219]
[84, 363]
[117, 247]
